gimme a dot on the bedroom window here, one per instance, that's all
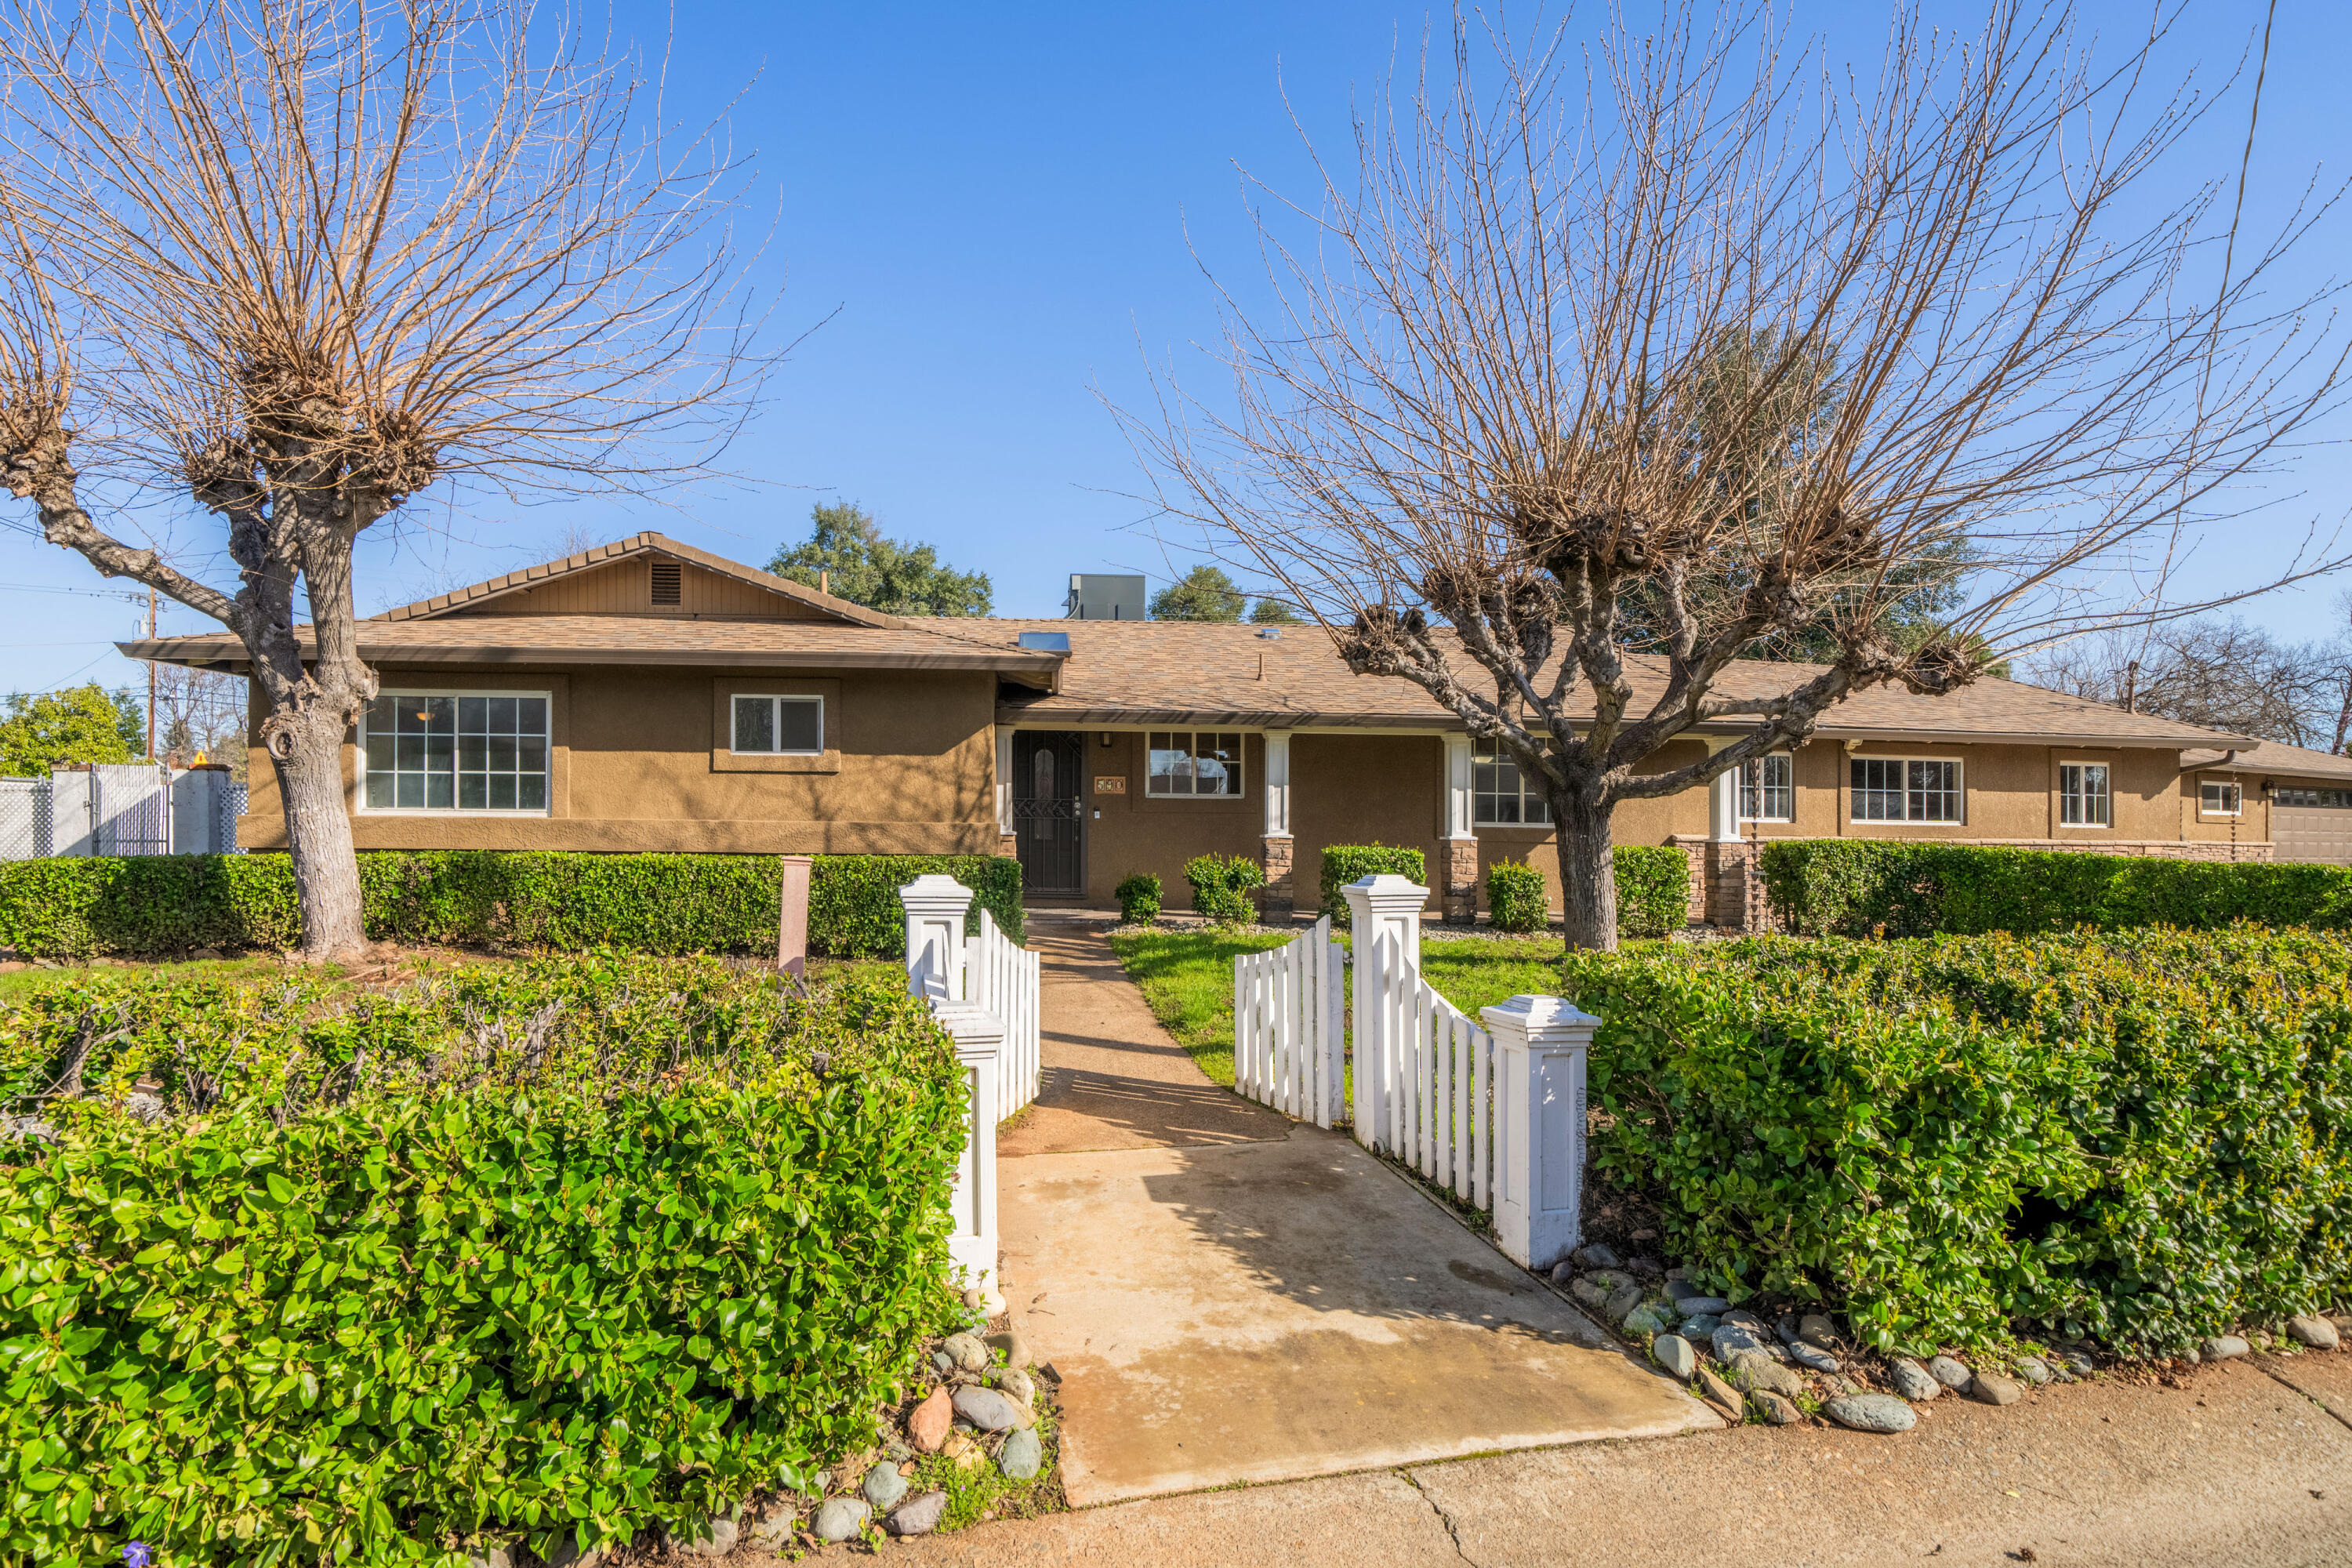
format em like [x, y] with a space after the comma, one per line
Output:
[2082, 795]
[1906, 789]
[456, 750]
[779, 726]
[1502, 794]
[2221, 797]
[1194, 762]
[1768, 791]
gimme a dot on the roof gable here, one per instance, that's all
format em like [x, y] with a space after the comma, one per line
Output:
[617, 579]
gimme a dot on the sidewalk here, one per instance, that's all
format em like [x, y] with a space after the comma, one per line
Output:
[1229, 1297]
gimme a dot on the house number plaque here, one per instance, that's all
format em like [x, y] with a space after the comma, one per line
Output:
[1110, 784]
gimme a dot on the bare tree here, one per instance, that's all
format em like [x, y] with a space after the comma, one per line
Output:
[1692, 345]
[2215, 670]
[201, 710]
[288, 263]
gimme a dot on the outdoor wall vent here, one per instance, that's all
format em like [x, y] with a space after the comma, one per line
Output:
[1046, 642]
[668, 582]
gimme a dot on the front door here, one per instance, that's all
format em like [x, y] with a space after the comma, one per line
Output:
[1049, 810]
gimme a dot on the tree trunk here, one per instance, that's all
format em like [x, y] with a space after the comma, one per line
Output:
[1588, 872]
[306, 746]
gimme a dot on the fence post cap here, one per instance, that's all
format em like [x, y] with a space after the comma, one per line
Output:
[1533, 1015]
[937, 889]
[1387, 884]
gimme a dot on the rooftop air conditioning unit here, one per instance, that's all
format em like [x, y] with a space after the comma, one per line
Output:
[1102, 596]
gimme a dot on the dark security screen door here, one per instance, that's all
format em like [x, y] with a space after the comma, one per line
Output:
[1049, 810]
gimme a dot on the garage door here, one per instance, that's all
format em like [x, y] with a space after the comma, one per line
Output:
[2311, 824]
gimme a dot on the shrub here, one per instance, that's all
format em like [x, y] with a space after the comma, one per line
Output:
[1346, 863]
[1858, 887]
[557, 1252]
[1653, 890]
[1139, 898]
[1221, 886]
[149, 906]
[2139, 1138]
[1515, 898]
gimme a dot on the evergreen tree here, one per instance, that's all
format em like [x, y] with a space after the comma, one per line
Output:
[886, 574]
[1205, 594]
[81, 724]
[1274, 613]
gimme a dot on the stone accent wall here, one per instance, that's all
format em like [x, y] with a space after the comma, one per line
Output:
[1280, 899]
[1009, 843]
[1460, 887]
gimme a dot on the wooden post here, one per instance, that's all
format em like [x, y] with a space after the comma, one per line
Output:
[792, 917]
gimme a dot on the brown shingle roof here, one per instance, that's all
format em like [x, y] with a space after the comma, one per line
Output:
[2273, 757]
[1210, 673]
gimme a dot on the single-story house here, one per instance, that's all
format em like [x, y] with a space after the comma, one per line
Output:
[649, 696]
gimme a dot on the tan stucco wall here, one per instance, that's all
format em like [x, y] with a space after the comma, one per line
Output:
[1133, 832]
[912, 770]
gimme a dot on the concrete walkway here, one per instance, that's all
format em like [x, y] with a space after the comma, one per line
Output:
[1229, 1297]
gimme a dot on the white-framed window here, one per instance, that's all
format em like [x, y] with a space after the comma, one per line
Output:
[778, 726]
[455, 751]
[1768, 788]
[1906, 789]
[1503, 797]
[2083, 796]
[2221, 797]
[1194, 762]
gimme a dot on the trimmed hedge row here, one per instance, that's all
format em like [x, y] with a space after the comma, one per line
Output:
[1653, 885]
[1653, 890]
[1516, 896]
[519, 1255]
[2141, 1138]
[151, 906]
[1221, 885]
[1346, 863]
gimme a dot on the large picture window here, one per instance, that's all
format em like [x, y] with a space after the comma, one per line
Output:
[456, 750]
[779, 726]
[2082, 795]
[1504, 795]
[1768, 790]
[1194, 762]
[1906, 789]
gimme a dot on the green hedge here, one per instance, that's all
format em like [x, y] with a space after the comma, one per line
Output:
[1222, 885]
[2141, 1138]
[149, 906]
[1139, 898]
[1346, 863]
[1861, 887]
[1653, 890]
[521, 1255]
[1517, 899]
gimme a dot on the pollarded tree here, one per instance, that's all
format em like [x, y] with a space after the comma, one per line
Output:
[287, 264]
[1680, 345]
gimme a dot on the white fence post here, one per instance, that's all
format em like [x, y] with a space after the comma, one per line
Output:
[1386, 911]
[980, 1043]
[935, 906]
[1539, 1051]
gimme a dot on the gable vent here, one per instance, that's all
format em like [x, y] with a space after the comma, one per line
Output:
[667, 582]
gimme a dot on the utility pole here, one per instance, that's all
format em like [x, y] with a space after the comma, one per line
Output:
[150, 678]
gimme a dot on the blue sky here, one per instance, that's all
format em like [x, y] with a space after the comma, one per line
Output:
[993, 202]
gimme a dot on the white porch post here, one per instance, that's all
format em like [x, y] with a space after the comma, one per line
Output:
[1386, 911]
[1722, 800]
[1281, 891]
[1458, 833]
[1540, 1044]
[935, 906]
[980, 1042]
[1004, 828]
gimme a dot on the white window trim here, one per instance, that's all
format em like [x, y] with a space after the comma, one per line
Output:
[733, 697]
[1477, 821]
[1193, 734]
[360, 808]
[1741, 785]
[2106, 827]
[1959, 788]
[2203, 810]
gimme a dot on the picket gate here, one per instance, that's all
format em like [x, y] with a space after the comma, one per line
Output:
[1290, 1026]
[1001, 978]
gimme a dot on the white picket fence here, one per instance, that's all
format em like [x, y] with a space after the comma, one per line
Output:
[1003, 979]
[1440, 1094]
[1290, 1026]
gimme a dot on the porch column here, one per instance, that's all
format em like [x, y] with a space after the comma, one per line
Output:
[1458, 834]
[1722, 801]
[1280, 899]
[1730, 868]
[1007, 842]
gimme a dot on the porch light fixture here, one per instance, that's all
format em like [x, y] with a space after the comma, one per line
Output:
[1108, 738]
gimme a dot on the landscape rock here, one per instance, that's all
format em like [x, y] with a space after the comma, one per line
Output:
[1024, 1453]
[1563, 1271]
[1590, 1292]
[2316, 1332]
[1643, 1267]
[1018, 1384]
[840, 1519]
[988, 1410]
[1597, 1255]
[1622, 1303]
[1950, 1373]
[2077, 1362]
[1746, 1319]
[1995, 1388]
[1804, 1354]
[489, 1557]
[1752, 1369]
[1701, 1306]
[927, 1428]
[1721, 1398]
[1817, 1331]
[1881, 1412]
[1013, 1350]
[1655, 1318]
[943, 1361]
[1701, 1327]
[983, 1299]
[1911, 1380]
[966, 1351]
[771, 1529]
[1675, 1353]
[962, 1452]
[718, 1543]
[1729, 1339]
[1775, 1409]
[1786, 1327]
[884, 1487]
[2034, 1370]
[918, 1515]
[2223, 1347]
